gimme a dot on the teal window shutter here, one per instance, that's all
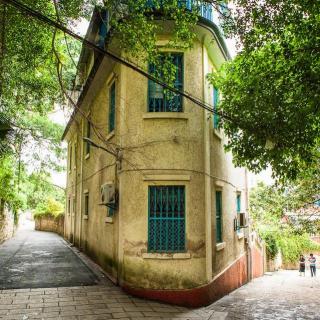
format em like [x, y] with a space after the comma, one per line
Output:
[238, 211]
[158, 99]
[215, 108]
[112, 107]
[86, 204]
[238, 203]
[70, 157]
[88, 136]
[218, 216]
[166, 215]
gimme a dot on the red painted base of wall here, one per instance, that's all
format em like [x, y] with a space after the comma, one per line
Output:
[234, 277]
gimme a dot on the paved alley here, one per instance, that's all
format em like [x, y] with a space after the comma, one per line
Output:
[34, 259]
[55, 284]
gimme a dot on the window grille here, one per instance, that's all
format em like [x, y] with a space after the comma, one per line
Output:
[70, 157]
[86, 204]
[88, 136]
[112, 107]
[161, 100]
[238, 211]
[216, 118]
[166, 219]
[218, 216]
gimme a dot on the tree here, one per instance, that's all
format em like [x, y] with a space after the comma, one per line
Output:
[269, 206]
[271, 89]
[266, 120]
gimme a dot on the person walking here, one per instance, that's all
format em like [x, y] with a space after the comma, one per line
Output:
[302, 265]
[312, 261]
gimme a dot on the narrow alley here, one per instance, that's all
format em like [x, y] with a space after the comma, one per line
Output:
[41, 277]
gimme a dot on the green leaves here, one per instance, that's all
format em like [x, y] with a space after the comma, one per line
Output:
[271, 89]
[269, 207]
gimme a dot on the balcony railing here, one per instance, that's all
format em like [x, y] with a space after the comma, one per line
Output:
[206, 11]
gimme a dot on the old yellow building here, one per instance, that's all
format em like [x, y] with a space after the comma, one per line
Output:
[156, 205]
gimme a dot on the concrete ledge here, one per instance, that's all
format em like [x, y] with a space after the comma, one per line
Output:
[166, 177]
[108, 220]
[219, 183]
[240, 236]
[217, 133]
[166, 256]
[220, 246]
[166, 115]
[110, 135]
[85, 217]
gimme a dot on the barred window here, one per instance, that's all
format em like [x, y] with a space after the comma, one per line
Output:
[86, 203]
[112, 107]
[238, 211]
[88, 134]
[159, 99]
[216, 117]
[166, 219]
[218, 216]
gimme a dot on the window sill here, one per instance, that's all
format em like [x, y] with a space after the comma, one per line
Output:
[85, 217]
[240, 235]
[166, 115]
[87, 156]
[167, 256]
[217, 133]
[108, 220]
[110, 135]
[220, 246]
[166, 177]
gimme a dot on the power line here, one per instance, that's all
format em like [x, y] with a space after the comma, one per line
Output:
[29, 11]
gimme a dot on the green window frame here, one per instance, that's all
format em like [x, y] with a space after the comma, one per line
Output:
[166, 215]
[112, 107]
[216, 117]
[86, 203]
[238, 211]
[160, 100]
[70, 157]
[218, 216]
[88, 135]
[69, 205]
[74, 205]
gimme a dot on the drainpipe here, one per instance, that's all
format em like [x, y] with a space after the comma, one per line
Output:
[207, 179]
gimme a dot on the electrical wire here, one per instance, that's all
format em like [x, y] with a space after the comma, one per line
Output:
[30, 12]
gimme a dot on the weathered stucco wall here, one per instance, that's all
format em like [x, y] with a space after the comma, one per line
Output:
[164, 148]
[7, 227]
[51, 224]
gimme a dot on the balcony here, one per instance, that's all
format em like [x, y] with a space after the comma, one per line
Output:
[206, 11]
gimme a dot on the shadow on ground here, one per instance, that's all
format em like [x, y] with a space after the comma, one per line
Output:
[34, 259]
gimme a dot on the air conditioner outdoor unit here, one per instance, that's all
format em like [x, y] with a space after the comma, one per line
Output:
[108, 194]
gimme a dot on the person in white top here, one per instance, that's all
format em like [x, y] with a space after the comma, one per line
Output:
[312, 261]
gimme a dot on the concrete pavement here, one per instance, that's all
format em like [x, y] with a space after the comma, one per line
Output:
[35, 259]
[55, 286]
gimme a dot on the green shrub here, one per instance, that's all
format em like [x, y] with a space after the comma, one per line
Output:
[49, 208]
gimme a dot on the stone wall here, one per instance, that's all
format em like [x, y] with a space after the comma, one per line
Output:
[51, 224]
[7, 227]
[274, 264]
